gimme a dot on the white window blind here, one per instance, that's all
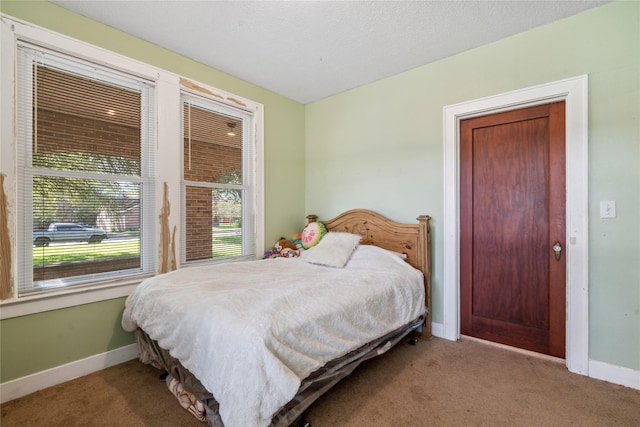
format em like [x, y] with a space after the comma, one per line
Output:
[86, 138]
[218, 181]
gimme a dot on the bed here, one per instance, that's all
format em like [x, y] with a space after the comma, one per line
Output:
[256, 343]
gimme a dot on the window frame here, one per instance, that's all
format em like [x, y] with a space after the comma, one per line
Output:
[168, 149]
[27, 172]
[249, 180]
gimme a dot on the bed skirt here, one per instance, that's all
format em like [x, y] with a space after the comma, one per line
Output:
[311, 388]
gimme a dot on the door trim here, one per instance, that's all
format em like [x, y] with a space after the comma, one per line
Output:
[574, 92]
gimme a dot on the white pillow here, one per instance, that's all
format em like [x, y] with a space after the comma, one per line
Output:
[333, 250]
[398, 254]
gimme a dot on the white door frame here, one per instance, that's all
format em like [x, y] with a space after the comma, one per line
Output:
[574, 92]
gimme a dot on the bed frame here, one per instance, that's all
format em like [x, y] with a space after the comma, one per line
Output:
[413, 240]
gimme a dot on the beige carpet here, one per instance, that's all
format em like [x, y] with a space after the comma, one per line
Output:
[435, 383]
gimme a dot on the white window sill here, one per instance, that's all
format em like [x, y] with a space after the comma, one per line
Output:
[15, 307]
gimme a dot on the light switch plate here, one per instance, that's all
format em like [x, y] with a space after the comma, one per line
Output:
[608, 209]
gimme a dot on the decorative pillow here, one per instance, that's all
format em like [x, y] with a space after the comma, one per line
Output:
[334, 250]
[312, 233]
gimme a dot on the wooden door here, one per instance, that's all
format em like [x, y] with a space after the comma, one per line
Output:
[512, 214]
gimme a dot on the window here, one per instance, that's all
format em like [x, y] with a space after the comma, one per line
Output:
[85, 172]
[90, 150]
[218, 181]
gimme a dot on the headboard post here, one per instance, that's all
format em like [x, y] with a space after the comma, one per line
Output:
[424, 259]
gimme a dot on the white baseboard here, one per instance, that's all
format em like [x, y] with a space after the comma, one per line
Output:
[26, 385]
[437, 330]
[31, 383]
[597, 370]
[614, 374]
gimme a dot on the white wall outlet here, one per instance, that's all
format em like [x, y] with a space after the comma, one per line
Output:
[608, 209]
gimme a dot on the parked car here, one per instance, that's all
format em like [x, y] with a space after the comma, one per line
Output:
[68, 232]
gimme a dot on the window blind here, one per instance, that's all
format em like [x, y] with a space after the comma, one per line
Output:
[86, 138]
[218, 181]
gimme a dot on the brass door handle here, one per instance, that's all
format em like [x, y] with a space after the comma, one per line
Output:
[557, 248]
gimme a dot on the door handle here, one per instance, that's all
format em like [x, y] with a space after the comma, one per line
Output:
[557, 248]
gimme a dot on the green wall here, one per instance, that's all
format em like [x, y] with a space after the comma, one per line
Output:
[41, 341]
[380, 146]
[34, 343]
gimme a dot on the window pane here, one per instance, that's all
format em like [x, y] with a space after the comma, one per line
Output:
[212, 146]
[87, 135]
[84, 227]
[227, 222]
[214, 223]
[84, 124]
[217, 146]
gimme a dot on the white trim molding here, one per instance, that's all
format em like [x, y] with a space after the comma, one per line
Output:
[574, 92]
[614, 374]
[437, 329]
[19, 387]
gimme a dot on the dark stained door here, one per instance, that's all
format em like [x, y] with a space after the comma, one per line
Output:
[512, 214]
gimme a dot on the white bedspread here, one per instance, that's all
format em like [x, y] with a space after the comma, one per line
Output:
[251, 331]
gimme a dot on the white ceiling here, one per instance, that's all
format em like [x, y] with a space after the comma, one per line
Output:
[309, 50]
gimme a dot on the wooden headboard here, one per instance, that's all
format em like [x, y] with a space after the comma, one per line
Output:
[413, 240]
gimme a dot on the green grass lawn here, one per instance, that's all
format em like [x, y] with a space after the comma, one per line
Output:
[85, 251]
[228, 245]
